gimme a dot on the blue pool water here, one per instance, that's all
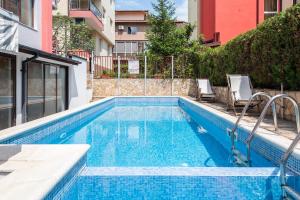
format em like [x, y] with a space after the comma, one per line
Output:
[144, 135]
[159, 133]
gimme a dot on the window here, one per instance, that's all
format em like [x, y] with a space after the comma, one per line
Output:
[132, 30]
[7, 91]
[46, 90]
[79, 20]
[50, 89]
[128, 47]
[120, 47]
[271, 8]
[10, 5]
[26, 12]
[296, 1]
[61, 89]
[22, 8]
[134, 47]
[141, 47]
[35, 91]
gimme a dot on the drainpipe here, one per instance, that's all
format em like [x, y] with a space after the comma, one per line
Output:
[24, 85]
[257, 12]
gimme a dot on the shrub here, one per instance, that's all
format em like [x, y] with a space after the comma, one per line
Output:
[270, 54]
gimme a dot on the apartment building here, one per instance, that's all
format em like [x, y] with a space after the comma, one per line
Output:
[130, 28]
[33, 82]
[221, 20]
[99, 15]
[130, 31]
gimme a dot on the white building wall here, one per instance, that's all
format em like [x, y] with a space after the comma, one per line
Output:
[78, 92]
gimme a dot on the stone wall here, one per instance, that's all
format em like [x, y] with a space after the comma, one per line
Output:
[136, 87]
[181, 87]
[287, 110]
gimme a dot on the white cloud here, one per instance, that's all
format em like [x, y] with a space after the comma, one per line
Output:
[182, 11]
[127, 3]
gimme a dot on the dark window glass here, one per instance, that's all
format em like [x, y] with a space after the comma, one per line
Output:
[50, 89]
[61, 89]
[35, 91]
[132, 30]
[10, 5]
[271, 8]
[22, 8]
[7, 98]
[26, 15]
[47, 90]
[79, 20]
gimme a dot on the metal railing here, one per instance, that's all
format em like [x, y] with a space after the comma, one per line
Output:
[286, 190]
[95, 10]
[86, 5]
[233, 136]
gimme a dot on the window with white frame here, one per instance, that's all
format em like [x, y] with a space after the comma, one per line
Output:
[271, 8]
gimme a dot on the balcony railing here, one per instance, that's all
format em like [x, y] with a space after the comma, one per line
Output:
[86, 5]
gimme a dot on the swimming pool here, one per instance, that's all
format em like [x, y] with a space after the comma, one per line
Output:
[166, 145]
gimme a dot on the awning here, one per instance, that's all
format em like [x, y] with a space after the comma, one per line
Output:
[43, 54]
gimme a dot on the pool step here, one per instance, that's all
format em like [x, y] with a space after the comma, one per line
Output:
[240, 159]
[291, 192]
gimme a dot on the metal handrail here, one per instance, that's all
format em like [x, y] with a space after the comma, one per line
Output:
[262, 116]
[232, 135]
[286, 190]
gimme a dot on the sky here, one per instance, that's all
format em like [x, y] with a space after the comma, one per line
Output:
[181, 6]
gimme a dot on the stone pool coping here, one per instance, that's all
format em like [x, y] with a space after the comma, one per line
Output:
[36, 169]
[19, 129]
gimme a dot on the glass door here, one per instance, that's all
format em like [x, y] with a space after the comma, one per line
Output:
[35, 91]
[47, 90]
[7, 91]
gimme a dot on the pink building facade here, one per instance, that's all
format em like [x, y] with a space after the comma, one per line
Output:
[222, 20]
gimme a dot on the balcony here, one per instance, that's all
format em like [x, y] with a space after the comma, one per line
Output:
[89, 11]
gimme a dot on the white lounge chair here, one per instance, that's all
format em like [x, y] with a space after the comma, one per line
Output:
[205, 90]
[240, 91]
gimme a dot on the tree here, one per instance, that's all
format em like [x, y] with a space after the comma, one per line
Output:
[162, 31]
[166, 39]
[68, 36]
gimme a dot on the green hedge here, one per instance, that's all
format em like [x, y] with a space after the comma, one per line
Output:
[270, 54]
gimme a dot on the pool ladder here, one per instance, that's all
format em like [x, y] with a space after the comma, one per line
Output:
[239, 158]
[287, 191]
